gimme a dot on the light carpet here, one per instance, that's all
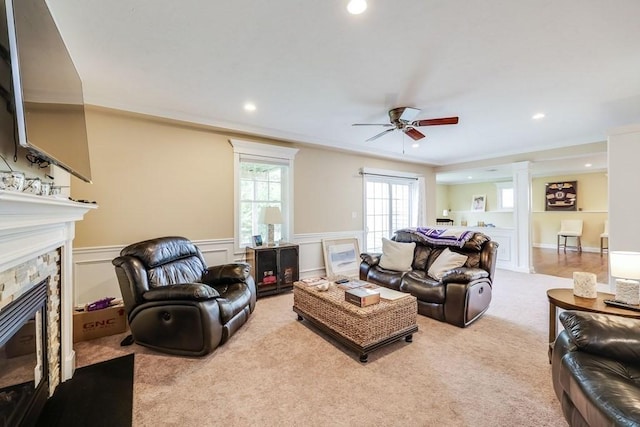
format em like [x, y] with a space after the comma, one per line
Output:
[277, 371]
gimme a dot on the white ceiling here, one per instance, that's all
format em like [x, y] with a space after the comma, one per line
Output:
[312, 69]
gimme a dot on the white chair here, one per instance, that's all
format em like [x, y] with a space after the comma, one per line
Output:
[570, 228]
[603, 236]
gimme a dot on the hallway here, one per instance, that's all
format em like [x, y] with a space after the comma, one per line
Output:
[549, 261]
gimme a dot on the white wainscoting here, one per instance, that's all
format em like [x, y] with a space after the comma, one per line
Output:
[505, 237]
[94, 276]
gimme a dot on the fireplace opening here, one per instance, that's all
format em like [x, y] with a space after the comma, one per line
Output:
[24, 368]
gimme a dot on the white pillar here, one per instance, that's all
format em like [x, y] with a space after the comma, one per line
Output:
[624, 204]
[68, 355]
[522, 215]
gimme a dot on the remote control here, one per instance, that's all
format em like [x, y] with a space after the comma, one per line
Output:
[622, 304]
[342, 281]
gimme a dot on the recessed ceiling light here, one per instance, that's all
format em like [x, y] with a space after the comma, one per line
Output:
[250, 106]
[588, 165]
[538, 116]
[356, 7]
[469, 177]
[415, 145]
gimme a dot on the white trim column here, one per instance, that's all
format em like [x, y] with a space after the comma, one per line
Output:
[522, 216]
[624, 204]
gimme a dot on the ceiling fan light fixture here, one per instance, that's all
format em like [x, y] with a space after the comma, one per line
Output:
[356, 7]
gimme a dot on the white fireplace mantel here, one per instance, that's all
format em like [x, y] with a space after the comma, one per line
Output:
[32, 225]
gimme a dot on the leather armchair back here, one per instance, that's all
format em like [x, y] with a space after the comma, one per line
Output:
[157, 262]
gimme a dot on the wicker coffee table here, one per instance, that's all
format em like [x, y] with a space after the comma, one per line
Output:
[362, 329]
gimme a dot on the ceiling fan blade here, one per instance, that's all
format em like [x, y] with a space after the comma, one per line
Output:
[372, 124]
[409, 114]
[436, 122]
[414, 133]
[383, 133]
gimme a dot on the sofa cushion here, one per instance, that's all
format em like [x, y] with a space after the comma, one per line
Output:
[396, 256]
[464, 275]
[445, 262]
[423, 287]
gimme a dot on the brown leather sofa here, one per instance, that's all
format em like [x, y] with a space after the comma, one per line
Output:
[595, 367]
[178, 305]
[461, 296]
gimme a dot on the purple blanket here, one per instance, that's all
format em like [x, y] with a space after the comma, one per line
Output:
[444, 236]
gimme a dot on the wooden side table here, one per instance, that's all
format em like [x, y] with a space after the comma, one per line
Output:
[565, 299]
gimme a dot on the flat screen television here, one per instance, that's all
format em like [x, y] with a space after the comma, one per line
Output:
[47, 91]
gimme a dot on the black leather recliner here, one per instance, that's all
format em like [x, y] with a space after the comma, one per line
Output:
[595, 367]
[175, 303]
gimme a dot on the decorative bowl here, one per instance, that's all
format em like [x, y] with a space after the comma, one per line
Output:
[323, 286]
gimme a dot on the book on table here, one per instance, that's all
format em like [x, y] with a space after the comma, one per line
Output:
[352, 284]
[391, 294]
[314, 281]
[362, 296]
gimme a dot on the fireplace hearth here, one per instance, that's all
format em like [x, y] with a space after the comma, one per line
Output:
[24, 379]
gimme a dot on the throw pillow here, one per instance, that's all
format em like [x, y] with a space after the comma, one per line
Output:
[396, 256]
[445, 262]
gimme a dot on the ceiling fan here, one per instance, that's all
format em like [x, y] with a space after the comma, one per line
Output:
[401, 118]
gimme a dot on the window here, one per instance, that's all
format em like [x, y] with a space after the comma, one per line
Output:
[506, 200]
[391, 203]
[263, 178]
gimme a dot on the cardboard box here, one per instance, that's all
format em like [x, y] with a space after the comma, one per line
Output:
[88, 325]
[362, 297]
[22, 342]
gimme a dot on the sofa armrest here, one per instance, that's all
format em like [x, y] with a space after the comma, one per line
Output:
[187, 291]
[464, 275]
[372, 259]
[227, 274]
[605, 335]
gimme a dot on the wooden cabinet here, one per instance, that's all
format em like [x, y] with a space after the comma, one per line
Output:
[274, 268]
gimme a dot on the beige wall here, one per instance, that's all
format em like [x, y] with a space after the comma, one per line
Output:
[592, 209]
[458, 197]
[153, 178]
[592, 205]
[328, 188]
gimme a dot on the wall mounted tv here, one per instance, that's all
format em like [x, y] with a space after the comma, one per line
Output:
[46, 88]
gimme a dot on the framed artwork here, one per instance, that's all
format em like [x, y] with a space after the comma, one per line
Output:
[257, 240]
[561, 196]
[478, 202]
[341, 257]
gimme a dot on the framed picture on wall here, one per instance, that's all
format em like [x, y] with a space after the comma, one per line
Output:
[478, 202]
[561, 196]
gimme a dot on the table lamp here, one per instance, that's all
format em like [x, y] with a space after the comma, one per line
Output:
[271, 215]
[625, 266]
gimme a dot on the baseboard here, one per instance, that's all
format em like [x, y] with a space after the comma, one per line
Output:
[570, 248]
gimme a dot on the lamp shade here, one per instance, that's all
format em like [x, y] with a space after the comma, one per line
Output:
[625, 265]
[271, 215]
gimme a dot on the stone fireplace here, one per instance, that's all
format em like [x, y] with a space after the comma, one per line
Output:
[36, 297]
